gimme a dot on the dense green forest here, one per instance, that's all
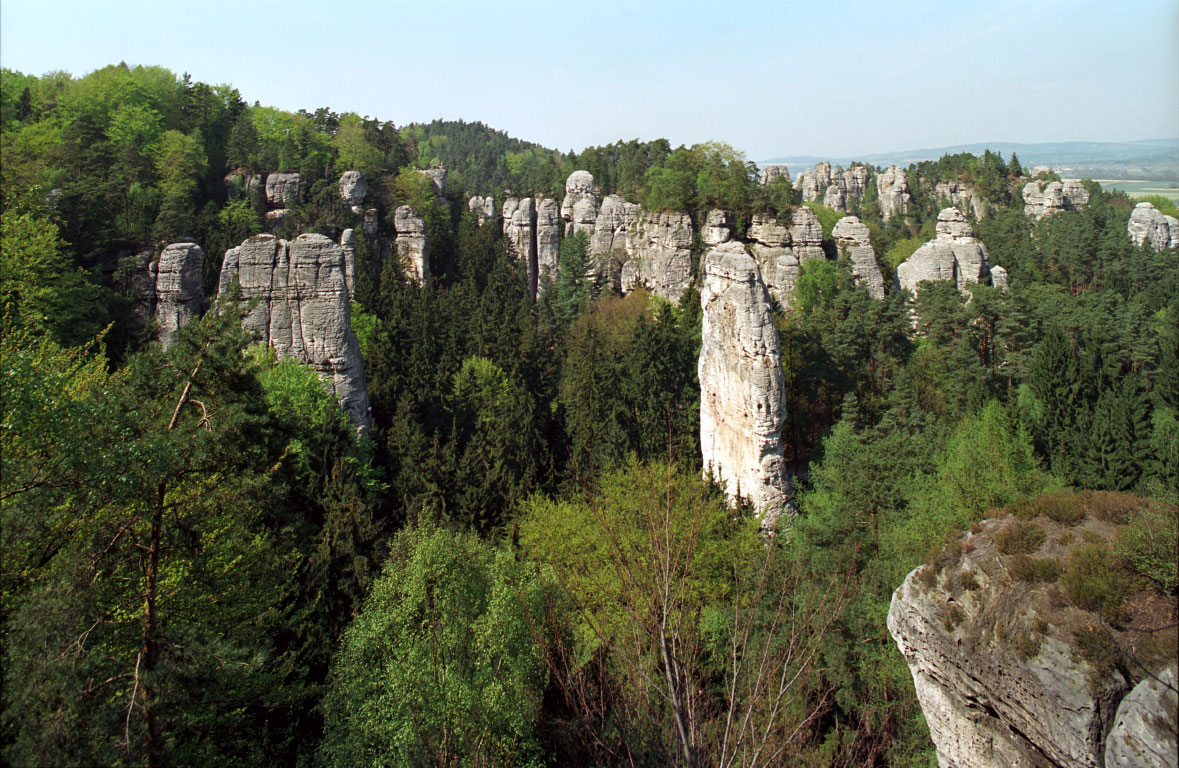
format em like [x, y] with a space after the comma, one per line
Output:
[520, 563]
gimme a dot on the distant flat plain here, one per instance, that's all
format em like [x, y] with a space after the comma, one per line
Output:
[1168, 189]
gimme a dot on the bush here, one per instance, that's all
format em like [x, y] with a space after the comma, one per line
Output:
[1020, 538]
[1094, 580]
[1060, 506]
[1150, 545]
[1035, 569]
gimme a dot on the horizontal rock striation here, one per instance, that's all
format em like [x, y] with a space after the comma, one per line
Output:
[301, 309]
[413, 248]
[1146, 726]
[660, 255]
[179, 288]
[742, 400]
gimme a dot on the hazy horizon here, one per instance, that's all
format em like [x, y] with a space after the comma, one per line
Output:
[857, 79]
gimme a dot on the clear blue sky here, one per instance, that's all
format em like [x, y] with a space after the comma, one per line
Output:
[770, 78]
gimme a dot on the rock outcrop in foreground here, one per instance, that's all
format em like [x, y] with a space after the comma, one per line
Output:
[852, 236]
[742, 401]
[302, 309]
[1012, 668]
[955, 255]
[179, 288]
[1148, 225]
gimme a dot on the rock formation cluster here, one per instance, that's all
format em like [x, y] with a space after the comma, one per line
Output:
[774, 171]
[852, 237]
[483, 208]
[1040, 199]
[1148, 225]
[893, 186]
[612, 227]
[835, 188]
[302, 308]
[962, 196]
[742, 401]
[717, 228]
[780, 250]
[955, 254]
[179, 293]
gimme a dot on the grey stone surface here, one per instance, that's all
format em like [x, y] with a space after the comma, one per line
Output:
[520, 232]
[999, 277]
[579, 209]
[812, 183]
[1145, 726]
[348, 246]
[962, 196]
[1044, 199]
[774, 171]
[853, 238]
[660, 248]
[718, 228]
[437, 177]
[989, 705]
[483, 208]
[1148, 225]
[611, 233]
[955, 254]
[282, 189]
[835, 198]
[548, 240]
[301, 309]
[773, 251]
[353, 188]
[413, 247]
[742, 400]
[179, 288]
[893, 186]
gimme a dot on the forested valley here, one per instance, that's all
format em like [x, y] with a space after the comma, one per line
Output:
[521, 559]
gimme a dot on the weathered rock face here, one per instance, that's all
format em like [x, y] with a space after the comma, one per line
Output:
[812, 183]
[437, 177]
[835, 198]
[520, 232]
[963, 197]
[955, 254]
[348, 246]
[1146, 724]
[1040, 200]
[991, 660]
[179, 289]
[855, 180]
[660, 255]
[893, 187]
[611, 233]
[369, 223]
[302, 309]
[742, 401]
[774, 171]
[353, 188]
[282, 189]
[548, 240]
[999, 277]
[1149, 226]
[780, 251]
[483, 208]
[852, 236]
[413, 249]
[579, 209]
[275, 219]
[717, 228]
